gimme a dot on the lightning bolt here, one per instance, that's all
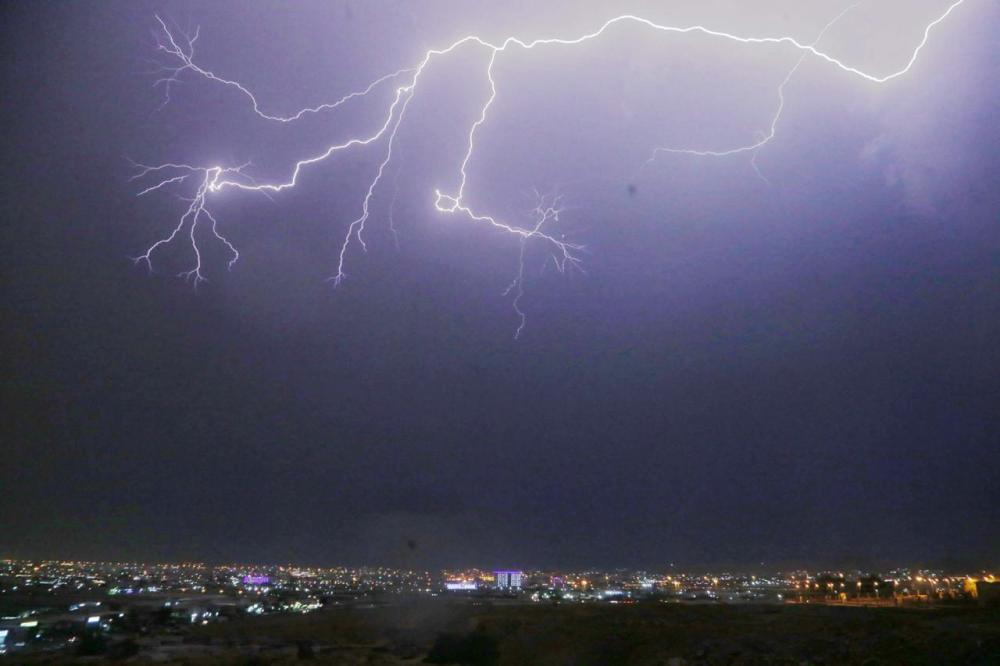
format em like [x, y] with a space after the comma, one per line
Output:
[547, 209]
[197, 220]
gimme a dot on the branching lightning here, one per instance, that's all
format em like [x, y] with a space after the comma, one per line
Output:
[548, 209]
[179, 51]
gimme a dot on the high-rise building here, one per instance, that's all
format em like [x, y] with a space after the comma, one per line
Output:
[508, 580]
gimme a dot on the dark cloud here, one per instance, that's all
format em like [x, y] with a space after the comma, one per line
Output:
[797, 371]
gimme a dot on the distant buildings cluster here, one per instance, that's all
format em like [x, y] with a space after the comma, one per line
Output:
[59, 602]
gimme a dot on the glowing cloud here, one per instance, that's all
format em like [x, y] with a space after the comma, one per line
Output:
[180, 50]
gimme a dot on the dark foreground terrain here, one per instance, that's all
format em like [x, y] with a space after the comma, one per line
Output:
[440, 631]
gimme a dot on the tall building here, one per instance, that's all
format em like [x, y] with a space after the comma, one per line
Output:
[508, 580]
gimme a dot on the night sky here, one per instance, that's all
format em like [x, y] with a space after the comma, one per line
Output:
[801, 372]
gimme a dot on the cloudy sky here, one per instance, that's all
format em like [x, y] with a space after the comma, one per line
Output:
[792, 366]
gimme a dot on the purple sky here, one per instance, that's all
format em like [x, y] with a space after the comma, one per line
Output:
[802, 370]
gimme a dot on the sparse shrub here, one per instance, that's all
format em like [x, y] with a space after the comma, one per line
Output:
[91, 643]
[475, 649]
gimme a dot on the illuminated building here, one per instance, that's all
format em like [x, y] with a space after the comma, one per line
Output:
[508, 580]
[256, 579]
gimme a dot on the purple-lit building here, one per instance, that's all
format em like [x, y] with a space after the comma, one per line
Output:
[508, 580]
[253, 579]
